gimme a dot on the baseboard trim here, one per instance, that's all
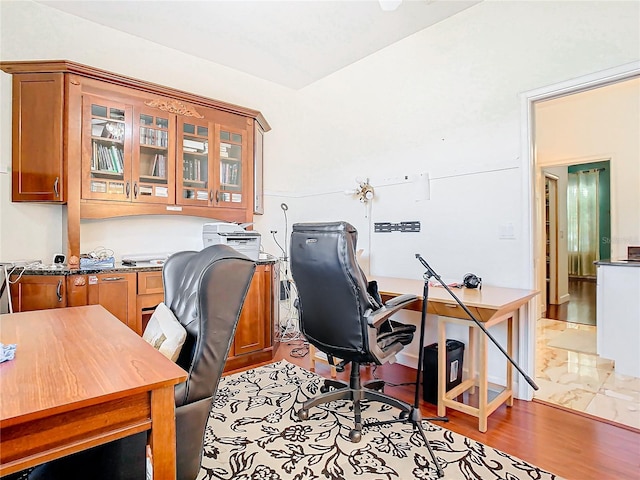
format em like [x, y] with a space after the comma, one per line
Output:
[586, 415]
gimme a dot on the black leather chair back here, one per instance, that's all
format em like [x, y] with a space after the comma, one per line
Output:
[332, 289]
[205, 291]
[208, 312]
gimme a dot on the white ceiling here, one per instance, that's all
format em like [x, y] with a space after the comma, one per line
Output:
[291, 43]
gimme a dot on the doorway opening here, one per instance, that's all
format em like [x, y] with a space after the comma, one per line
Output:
[574, 206]
[577, 229]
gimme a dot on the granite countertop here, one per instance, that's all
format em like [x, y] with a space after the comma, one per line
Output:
[264, 259]
[619, 263]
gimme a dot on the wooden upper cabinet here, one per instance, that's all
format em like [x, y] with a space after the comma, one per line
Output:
[128, 152]
[154, 152]
[38, 138]
[232, 179]
[106, 149]
[108, 146]
[195, 165]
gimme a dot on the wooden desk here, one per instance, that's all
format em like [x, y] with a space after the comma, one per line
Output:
[81, 378]
[491, 306]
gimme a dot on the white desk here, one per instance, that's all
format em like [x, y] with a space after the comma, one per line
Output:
[491, 306]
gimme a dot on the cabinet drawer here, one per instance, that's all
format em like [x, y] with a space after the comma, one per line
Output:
[452, 309]
[149, 283]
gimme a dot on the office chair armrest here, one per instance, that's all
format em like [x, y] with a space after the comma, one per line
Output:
[376, 317]
[401, 299]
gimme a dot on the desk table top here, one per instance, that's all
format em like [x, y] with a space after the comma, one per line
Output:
[489, 297]
[69, 358]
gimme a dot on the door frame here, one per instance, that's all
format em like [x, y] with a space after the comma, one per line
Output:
[551, 237]
[530, 258]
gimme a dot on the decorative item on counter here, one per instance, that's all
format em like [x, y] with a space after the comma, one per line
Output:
[7, 352]
[100, 257]
[74, 261]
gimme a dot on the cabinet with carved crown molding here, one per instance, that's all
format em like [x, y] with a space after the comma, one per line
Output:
[107, 145]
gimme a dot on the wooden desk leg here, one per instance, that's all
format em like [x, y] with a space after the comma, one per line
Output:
[312, 357]
[471, 355]
[483, 385]
[509, 385]
[163, 433]
[315, 358]
[442, 367]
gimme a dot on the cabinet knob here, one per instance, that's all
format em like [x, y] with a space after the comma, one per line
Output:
[59, 290]
[135, 190]
[128, 189]
[56, 187]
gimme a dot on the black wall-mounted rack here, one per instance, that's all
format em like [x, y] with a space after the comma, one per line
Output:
[396, 227]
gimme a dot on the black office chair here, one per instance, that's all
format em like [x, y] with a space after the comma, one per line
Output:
[205, 291]
[342, 315]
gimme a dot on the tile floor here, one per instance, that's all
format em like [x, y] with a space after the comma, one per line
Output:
[581, 381]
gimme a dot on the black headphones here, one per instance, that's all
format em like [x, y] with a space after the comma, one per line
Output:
[472, 281]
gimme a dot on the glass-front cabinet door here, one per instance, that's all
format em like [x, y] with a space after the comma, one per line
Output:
[232, 147]
[194, 171]
[153, 157]
[106, 152]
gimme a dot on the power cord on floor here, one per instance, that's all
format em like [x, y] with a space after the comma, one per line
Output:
[375, 367]
[300, 350]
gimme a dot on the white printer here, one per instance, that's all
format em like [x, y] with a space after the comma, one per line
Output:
[234, 235]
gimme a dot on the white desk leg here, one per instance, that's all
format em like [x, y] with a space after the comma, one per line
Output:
[442, 368]
[483, 385]
[471, 354]
[509, 385]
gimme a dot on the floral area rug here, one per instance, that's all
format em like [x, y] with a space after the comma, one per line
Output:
[254, 433]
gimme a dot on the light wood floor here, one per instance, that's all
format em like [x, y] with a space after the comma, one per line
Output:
[568, 444]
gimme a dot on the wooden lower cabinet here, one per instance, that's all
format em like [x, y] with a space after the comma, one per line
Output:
[114, 291]
[37, 292]
[133, 297]
[255, 340]
[150, 294]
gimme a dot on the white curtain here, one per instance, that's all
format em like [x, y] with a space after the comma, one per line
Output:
[583, 222]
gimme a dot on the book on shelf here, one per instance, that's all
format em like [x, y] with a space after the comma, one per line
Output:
[159, 167]
[118, 165]
[199, 146]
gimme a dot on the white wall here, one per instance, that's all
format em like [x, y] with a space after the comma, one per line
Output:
[445, 101]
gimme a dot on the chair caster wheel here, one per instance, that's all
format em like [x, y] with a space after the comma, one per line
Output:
[403, 415]
[303, 414]
[355, 436]
[324, 389]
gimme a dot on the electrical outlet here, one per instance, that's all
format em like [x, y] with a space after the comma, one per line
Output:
[506, 232]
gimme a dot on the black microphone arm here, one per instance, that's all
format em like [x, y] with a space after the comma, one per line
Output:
[431, 273]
